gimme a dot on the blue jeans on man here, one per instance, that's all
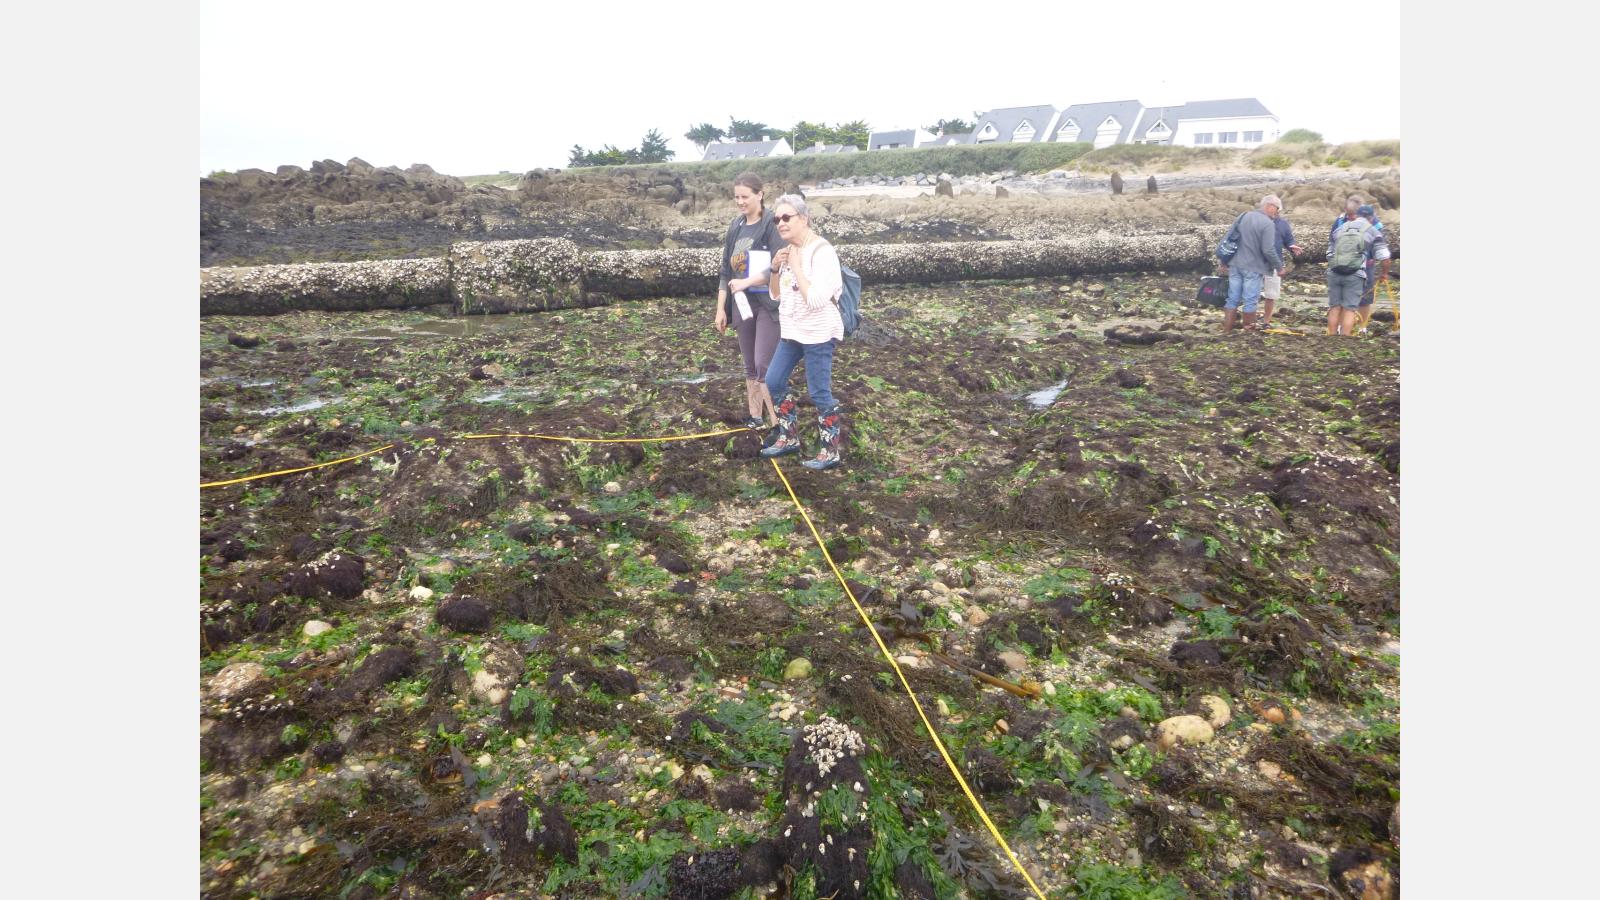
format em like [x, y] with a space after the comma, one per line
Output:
[819, 371]
[1244, 288]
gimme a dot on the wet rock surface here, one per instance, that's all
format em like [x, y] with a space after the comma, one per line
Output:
[627, 688]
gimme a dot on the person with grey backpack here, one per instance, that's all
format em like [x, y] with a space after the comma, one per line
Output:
[1351, 248]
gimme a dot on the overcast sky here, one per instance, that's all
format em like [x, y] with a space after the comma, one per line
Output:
[479, 86]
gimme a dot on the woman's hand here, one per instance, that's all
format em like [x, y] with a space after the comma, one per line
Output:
[721, 320]
[738, 284]
[780, 259]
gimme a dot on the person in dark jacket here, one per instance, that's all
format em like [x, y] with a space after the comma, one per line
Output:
[743, 296]
[1272, 285]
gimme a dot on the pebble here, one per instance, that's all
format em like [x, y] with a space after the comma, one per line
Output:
[613, 487]
[488, 687]
[977, 616]
[1122, 742]
[237, 679]
[939, 587]
[1216, 710]
[1269, 769]
[909, 662]
[1014, 661]
[1183, 730]
[989, 594]
[798, 668]
[315, 627]
[720, 565]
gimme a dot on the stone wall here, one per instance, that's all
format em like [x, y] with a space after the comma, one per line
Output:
[380, 284]
[528, 275]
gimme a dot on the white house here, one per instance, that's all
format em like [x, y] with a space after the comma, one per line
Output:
[1242, 123]
[819, 147]
[1015, 125]
[748, 150]
[895, 140]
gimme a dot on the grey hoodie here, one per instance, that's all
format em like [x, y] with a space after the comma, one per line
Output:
[1258, 245]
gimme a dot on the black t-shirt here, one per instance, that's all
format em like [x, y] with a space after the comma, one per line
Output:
[742, 238]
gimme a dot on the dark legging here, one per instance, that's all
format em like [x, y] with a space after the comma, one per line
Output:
[758, 338]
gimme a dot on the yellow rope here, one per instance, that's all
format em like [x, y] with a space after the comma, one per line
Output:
[470, 437]
[209, 484]
[954, 770]
[651, 440]
[1393, 303]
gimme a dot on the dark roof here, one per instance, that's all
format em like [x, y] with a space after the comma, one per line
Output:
[742, 150]
[1005, 121]
[1088, 117]
[1221, 109]
[905, 136]
[945, 140]
[1168, 114]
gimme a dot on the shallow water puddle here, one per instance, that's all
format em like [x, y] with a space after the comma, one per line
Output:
[463, 327]
[307, 406]
[1045, 396]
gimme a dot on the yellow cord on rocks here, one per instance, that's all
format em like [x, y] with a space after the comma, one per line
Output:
[628, 440]
[1393, 303]
[954, 770]
[209, 484]
[472, 437]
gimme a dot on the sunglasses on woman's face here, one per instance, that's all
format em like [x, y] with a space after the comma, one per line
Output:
[785, 217]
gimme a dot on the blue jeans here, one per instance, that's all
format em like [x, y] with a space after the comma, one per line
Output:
[1244, 287]
[819, 372]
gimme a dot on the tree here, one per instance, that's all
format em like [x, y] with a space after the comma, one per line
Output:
[950, 126]
[856, 133]
[653, 148]
[804, 134]
[704, 134]
[650, 150]
[1300, 136]
[745, 130]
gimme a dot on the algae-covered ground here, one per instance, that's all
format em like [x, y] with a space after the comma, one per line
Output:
[514, 667]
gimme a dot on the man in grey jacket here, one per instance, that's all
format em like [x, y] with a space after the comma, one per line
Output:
[1258, 256]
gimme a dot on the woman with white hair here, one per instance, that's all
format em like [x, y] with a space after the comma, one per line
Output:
[807, 280]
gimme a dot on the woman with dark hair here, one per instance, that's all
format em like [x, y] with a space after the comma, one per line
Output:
[808, 280]
[743, 297]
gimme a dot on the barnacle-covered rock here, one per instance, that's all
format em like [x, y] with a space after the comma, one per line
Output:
[379, 284]
[516, 276]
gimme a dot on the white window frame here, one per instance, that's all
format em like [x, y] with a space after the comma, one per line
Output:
[987, 134]
[1202, 137]
[1018, 136]
[1227, 137]
[1253, 140]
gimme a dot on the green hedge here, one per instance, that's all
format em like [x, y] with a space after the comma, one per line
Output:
[957, 160]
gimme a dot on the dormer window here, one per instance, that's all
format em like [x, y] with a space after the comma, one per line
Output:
[988, 133]
[1068, 131]
[1023, 132]
[1159, 128]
